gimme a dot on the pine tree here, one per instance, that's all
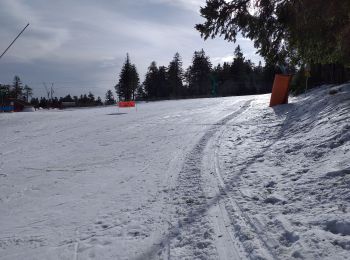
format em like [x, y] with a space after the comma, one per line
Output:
[28, 92]
[150, 83]
[34, 102]
[91, 98]
[128, 81]
[84, 100]
[17, 88]
[68, 98]
[109, 98]
[155, 83]
[135, 80]
[140, 93]
[238, 70]
[176, 77]
[198, 75]
[44, 103]
[98, 101]
[4, 91]
[162, 83]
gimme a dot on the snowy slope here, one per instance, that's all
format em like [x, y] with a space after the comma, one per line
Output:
[95, 183]
[286, 172]
[223, 178]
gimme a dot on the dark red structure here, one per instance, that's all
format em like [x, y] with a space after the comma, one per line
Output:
[12, 105]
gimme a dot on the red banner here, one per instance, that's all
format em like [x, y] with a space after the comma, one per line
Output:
[126, 104]
[280, 90]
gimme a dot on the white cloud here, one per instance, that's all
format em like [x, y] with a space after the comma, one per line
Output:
[221, 60]
[193, 5]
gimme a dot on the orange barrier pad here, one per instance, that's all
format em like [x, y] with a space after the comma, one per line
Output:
[280, 90]
[126, 104]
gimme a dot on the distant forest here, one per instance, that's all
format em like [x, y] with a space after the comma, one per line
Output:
[200, 79]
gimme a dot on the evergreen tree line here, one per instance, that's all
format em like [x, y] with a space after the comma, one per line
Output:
[16, 90]
[200, 79]
[85, 100]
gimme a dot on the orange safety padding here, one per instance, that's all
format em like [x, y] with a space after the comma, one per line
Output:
[126, 104]
[280, 90]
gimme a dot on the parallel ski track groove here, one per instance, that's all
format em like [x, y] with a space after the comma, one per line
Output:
[237, 206]
[190, 195]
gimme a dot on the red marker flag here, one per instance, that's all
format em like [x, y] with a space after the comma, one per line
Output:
[126, 104]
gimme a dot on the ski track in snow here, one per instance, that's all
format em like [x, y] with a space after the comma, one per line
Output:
[193, 234]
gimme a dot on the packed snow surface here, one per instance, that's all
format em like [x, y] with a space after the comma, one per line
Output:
[220, 178]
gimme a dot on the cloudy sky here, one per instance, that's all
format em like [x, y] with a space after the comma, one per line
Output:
[80, 45]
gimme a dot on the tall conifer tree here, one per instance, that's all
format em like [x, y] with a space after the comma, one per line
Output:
[176, 76]
[109, 98]
[128, 81]
[198, 74]
[162, 83]
[17, 91]
[28, 91]
[150, 82]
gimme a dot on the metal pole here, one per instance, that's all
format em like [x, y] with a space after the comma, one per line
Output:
[14, 41]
